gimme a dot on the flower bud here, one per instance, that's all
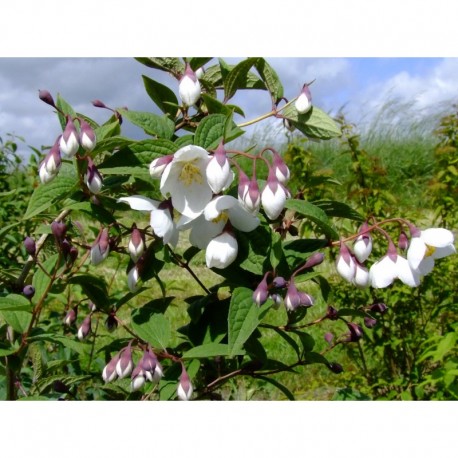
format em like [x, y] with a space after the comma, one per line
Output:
[71, 316]
[137, 378]
[280, 168]
[292, 298]
[221, 251]
[59, 229]
[279, 282]
[159, 164]
[189, 87]
[111, 323]
[378, 307]
[133, 278]
[335, 367]
[85, 328]
[185, 389]
[403, 241]
[29, 245]
[69, 143]
[304, 101]
[362, 247]
[218, 172]
[50, 166]
[46, 96]
[251, 198]
[261, 293]
[125, 365]
[356, 332]
[92, 178]
[100, 248]
[109, 371]
[329, 337]
[98, 103]
[277, 300]
[273, 196]
[332, 313]
[136, 244]
[87, 136]
[345, 263]
[314, 260]
[369, 322]
[361, 278]
[28, 291]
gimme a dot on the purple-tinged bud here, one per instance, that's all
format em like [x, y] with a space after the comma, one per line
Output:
[369, 322]
[29, 245]
[50, 166]
[332, 313]
[98, 103]
[136, 244]
[69, 143]
[133, 278]
[218, 172]
[66, 246]
[73, 254]
[314, 260]
[109, 371]
[149, 363]
[356, 332]
[277, 300]
[59, 229]
[92, 178]
[158, 165]
[292, 298]
[362, 247]
[273, 196]
[137, 378]
[111, 323]
[304, 101]
[85, 328]
[252, 197]
[335, 367]
[361, 278]
[378, 307]
[87, 136]
[125, 365]
[189, 87]
[279, 282]
[345, 264]
[185, 389]
[306, 299]
[91, 306]
[261, 293]
[242, 186]
[100, 248]
[28, 291]
[46, 96]
[403, 241]
[71, 316]
[280, 168]
[329, 337]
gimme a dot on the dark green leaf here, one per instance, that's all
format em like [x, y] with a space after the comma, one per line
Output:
[153, 328]
[209, 350]
[162, 96]
[41, 280]
[338, 209]
[278, 385]
[237, 77]
[66, 108]
[215, 106]
[15, 303]
[95, 289]
[270, 78]
[152, 124]
[197, 62]
[19, 321]
[185, 140]
[210, 131]
[167, 64]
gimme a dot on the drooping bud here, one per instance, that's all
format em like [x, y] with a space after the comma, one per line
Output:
[261, 293]
[189, 87]
[85, 328]
[221, 251]
[185, 389]
[46, 96]
[133, 278]
[136, 244]
[273, 196]
[361, 278]
[362, 247]
[91, 306]
[92, 177]
[242, 186]
[98, 103]
[280, 168]
[403, 241]
[50, 166]
[335, 367]
[251, 199]
[59, 229]
[87, 136]
[304, 101]
[314, 260]
[345, 263]
[29, 245]
[69, 143]
[125, 365]
[28, 291]
[218, 171]
[111, 323]
[71, 316]
[369, 322]
[279, 282]
[329, 337]
[378, 307]
[137, 378]
[277, 300]
[159, 164]
[332, 313]
[292, 298]
[356, 332]
[109, 371]
[100, 248]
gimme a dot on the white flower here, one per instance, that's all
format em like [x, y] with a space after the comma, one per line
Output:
[87, 136]
[137, 382]
[281, 169]
[345, 264]
[361, 278]
[428, 245]
[248, 193]
[362, 247]
[304, 101]
[273, 196]
[189, 87]
[185, 180]
[50, 165]
[69, 143]
[92, 177]
[160, 217]
[218, 172]
[158, 165]
[221, 251]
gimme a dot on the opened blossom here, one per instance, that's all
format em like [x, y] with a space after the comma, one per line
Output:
[185, 180]
[428, 245]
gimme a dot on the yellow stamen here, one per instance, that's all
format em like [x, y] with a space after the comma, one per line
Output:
[223, 216]
[429, 250]
[190, 173]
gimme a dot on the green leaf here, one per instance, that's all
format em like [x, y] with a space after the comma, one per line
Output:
[314, 214]
[185, 140]
[254, 248]
[210, 131]
[66, 108]
[40, 280]
[270, 78]
[19, 321]
[106, 132]
[197, 62]
[15, 303]
[276, 250]
[215, 106]
[216, 75]
[162, 96]
[237, 77]
[243, 319]
[337, 209]
[315, 123]
[153, 328]
[209, 350]
[278, 385]
[297, 251]
[167, 64]
[140, 172]
[95, 288]
[48, 194]
[152, 124]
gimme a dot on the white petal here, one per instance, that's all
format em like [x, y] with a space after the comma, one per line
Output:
[216, 206]
[189, 153]
[416, 252]
[406, 274]
[273, 203]
[218, 177]
[161, 222]
[303, 104]
[382, 273]
[426, 266]
[361, 249]
[204, 231]
[241, 219]
[189, 90]
[140, 203]
[221, 251]
[346, 270]
[441, 252]
[437, 237]
[361, 278]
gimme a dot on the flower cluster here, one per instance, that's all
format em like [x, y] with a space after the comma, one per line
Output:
[422, 248]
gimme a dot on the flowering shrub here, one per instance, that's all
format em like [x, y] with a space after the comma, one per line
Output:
[112, 208]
